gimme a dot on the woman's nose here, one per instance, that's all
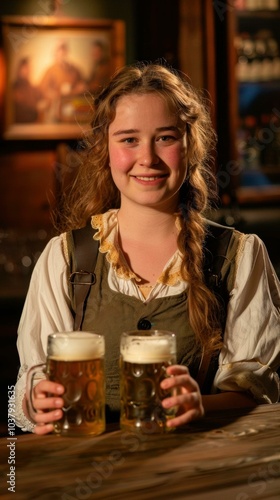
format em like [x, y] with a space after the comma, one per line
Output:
[148, 156]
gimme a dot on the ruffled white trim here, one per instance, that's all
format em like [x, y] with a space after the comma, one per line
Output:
[21, 420]
[107, 233]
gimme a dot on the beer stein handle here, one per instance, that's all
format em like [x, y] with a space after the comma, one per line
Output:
[34, 370]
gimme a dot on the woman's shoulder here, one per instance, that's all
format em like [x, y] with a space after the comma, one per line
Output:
[53, 252]
[252, 247]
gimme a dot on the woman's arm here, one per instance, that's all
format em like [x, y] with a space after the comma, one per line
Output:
[46, 310]
[250, 358]
[248, 363]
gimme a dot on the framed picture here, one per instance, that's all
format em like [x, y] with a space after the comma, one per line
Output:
[51, 68]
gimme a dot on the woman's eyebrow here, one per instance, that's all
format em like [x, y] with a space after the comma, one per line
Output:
[128, 131]
[135, 131]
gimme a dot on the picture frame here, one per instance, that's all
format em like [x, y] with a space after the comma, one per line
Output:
[51, 68]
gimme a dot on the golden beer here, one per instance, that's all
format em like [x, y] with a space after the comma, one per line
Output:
[76, 360]
[143, 362]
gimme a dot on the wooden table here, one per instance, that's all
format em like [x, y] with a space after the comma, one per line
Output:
[234, 455]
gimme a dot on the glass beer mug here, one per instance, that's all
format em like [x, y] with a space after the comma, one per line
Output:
[144, 357]
[75, 360]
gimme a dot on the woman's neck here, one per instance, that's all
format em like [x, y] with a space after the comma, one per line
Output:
[147, 223]
[147, 241]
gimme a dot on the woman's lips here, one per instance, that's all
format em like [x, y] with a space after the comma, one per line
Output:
[148, 178]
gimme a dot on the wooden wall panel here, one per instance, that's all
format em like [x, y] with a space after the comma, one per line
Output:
[27, 189]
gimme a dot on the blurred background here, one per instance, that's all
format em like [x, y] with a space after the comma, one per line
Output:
[230, 50]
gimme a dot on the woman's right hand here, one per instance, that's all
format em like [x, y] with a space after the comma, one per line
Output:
[47, 402]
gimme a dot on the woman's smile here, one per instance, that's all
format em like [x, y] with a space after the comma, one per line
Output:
[149, 179]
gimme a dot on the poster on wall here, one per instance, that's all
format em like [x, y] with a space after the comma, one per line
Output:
[51, 69]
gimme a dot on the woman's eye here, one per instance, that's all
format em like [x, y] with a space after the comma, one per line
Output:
[128, 140]
[166, 138]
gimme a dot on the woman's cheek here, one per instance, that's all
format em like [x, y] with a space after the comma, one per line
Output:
[174, 156]
[119, 159]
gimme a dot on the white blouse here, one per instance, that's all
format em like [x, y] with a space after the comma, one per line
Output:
[251, 353]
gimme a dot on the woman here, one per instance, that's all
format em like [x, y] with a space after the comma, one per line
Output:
[145, 186]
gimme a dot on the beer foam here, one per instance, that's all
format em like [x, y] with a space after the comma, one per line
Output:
[148, 350]
[75, 346]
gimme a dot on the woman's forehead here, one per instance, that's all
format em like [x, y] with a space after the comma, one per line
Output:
[147, 108]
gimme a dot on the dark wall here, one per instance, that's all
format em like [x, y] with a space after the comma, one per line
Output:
[157, 30]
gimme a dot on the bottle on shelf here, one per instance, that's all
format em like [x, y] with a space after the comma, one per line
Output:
[258, 56]
[246, 56]
[273, 54]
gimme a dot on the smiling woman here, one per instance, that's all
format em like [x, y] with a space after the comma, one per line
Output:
[143, 188]
[148, 158]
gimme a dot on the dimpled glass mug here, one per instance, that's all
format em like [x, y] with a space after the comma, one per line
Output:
[75, 360]
[144, 357]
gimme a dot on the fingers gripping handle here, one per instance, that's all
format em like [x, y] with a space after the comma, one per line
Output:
[34, 370]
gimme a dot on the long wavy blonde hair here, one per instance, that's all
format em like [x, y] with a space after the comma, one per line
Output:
[93, 190]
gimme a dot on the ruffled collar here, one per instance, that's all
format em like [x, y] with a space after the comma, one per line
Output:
[107, 234]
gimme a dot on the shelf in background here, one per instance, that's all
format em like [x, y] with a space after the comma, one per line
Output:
[258, 194]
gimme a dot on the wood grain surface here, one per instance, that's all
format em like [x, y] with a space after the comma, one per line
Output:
[232, 455]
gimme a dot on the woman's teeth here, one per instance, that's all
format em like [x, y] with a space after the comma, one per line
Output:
[147, 178]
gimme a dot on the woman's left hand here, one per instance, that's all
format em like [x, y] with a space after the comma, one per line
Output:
[187, 398]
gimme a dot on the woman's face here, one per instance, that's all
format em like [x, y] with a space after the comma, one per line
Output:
[147, 152]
